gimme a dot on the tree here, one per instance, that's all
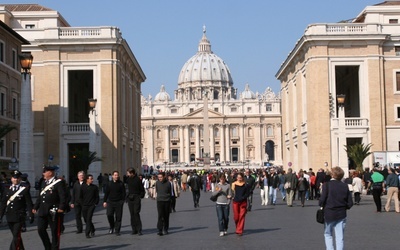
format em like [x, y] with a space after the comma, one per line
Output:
[358, 152]
[81, 159]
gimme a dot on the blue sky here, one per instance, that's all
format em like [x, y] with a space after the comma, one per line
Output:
[253, 37]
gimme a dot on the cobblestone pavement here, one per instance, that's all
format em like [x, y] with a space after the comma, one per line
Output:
[267, 227]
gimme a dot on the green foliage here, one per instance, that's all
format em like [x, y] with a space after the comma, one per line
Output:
[358, 152]
[82, 158]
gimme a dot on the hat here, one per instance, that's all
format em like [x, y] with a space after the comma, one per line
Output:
[49, 168]
[16, 174]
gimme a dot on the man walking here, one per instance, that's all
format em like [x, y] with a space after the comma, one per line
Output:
[135, 193]
[195, 185]
[163, 191]
[291, 184]
[273, 183]
[76, 201]
[392, 186]
[90, 198]
[251, 183]
[175, 191]
[50, 206]
[15, 202]
[114, 197]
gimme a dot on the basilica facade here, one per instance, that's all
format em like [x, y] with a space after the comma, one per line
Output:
[207, 117]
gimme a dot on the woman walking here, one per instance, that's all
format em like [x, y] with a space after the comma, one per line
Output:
[335, 200]
[241, 191]
[302, 186]
[224, 193]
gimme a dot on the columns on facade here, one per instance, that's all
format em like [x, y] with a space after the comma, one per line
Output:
[221, 142]
[150, 130]
[212, 144]
[197, 143]
[258, 142]
[181, 144]
[187, 143]
[167, 143]
[242, 145]
[227, 143]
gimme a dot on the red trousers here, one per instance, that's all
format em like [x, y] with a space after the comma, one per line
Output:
[239, 213]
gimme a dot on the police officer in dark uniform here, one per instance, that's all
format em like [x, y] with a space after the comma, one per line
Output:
[50, 205]
[15, 202]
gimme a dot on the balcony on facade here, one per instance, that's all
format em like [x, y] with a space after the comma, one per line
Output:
[352, 125]
[75, 129]
[351, 28]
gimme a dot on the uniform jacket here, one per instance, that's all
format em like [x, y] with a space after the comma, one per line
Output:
[55, 197]
[16, 210]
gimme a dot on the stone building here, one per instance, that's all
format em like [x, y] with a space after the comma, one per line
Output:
[358, 58]
[70, 66]
[242, 128]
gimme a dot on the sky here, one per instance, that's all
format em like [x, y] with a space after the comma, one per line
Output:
[253, 37]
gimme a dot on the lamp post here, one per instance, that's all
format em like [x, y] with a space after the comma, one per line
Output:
[343, 162]
[165, 166]
[26, 119]
[94, 167]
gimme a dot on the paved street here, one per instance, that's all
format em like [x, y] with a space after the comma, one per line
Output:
[267, 227]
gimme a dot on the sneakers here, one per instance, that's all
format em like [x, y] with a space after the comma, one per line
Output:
[221, 234]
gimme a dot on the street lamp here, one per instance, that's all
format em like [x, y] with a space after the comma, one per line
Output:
[92, 104]
[26, 119]
[343, 163]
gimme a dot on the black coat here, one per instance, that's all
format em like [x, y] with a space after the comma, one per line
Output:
[336, 199]
[16, 210]
[76, 198]
[55, 197]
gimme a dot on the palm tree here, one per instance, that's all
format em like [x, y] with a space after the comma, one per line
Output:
[83, 158]
[358, 152]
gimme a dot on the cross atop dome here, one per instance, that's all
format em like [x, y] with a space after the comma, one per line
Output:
[204, 45]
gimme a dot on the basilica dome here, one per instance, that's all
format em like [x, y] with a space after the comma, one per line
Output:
[205, 68]
[162, 96]
[247, 93]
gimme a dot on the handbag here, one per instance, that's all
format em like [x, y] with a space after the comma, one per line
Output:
[214, 198]
[320, 216]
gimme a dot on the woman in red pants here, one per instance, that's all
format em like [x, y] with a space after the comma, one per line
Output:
[241, 192]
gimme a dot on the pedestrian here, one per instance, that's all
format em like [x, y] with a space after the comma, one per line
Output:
[290, 186]
[376, 182]
[392, 186]
[224, 193]
[50, 206]
[163, 193]
[263, 184]
[335, 199]
[302, 187]
[90, 198]
[135, 193]
[145, 182]
[76, 200]
[184, 181]
[251, 183]
[106, 180]
[357, 187]
[273, 185]
[175, 192]
[241, 192]
[100, 181]
[152, 186]
[16, 201]
[114, 198]
[195, 186]
[282, 184]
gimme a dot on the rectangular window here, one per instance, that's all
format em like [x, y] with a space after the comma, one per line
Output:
[217, 143]
[233, 109]
[397, 50]
[14, 108]
[393, 20]
[29, 26]
[398, 113]
[174, 111]
[248, 109]
[158, 111]
[2, 147]
[216, 109]
[14, 59]
[1, 51]
[397, 81]
[268, 107]
[2, 104]
[191, 110]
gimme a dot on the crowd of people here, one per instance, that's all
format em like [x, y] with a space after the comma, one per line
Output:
[229, 186]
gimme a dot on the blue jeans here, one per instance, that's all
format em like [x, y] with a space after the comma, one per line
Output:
[223, 217]
[338, 226]
[282, 190]
[272, 194]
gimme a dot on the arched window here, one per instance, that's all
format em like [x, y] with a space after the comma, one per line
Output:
[158, 134]
[270, 131]
[250, 132]
[270, 150]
